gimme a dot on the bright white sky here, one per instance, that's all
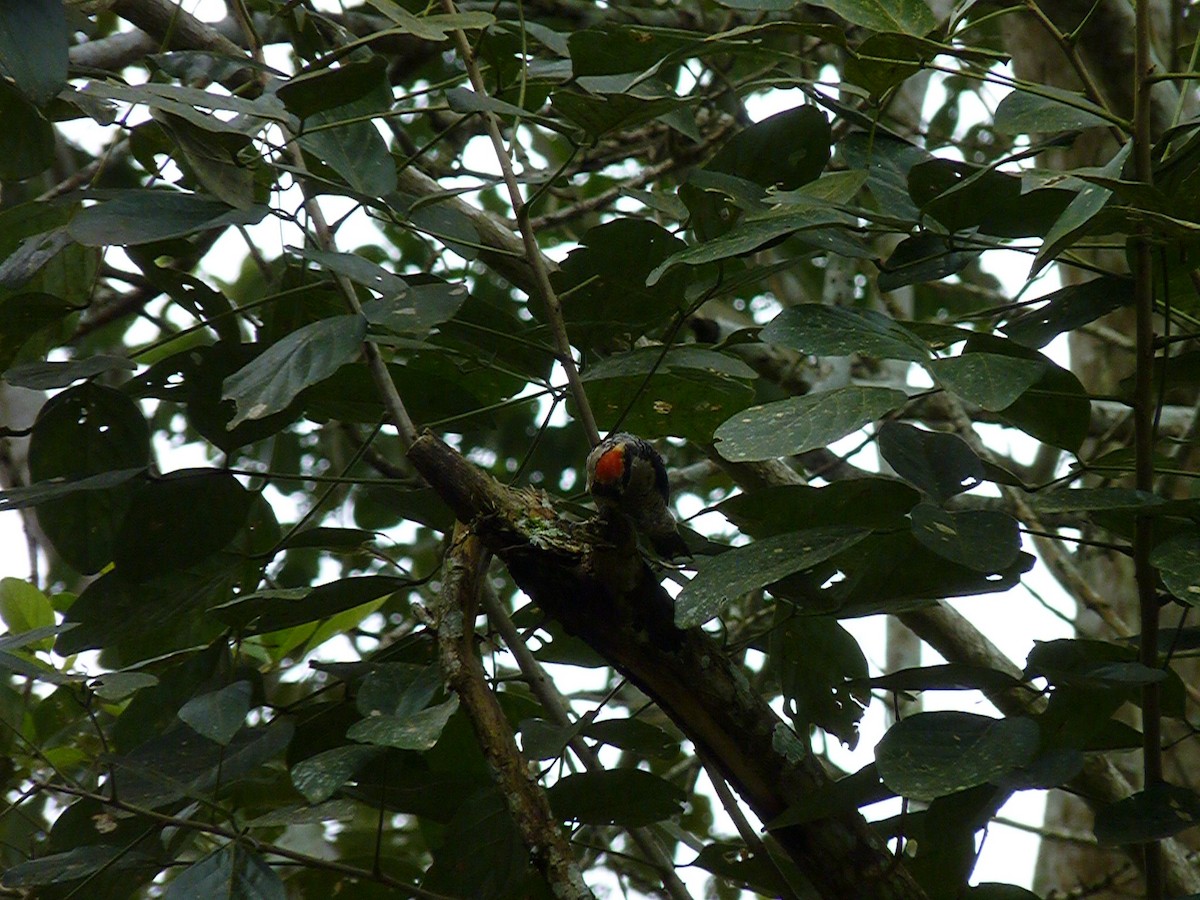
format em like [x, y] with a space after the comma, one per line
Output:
[1011, 620]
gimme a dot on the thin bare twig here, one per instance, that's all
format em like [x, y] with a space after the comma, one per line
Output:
[533, 253]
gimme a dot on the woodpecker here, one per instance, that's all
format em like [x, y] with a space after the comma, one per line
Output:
[626, 475]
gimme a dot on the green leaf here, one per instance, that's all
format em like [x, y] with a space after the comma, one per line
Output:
[692, 391]
[212, 158]
[1047, 112]
[308, 355]
[196, 377]
[24, 316]
[635, 736]
[752, 233]
[1076, 218]
[721, 579]
[630, 798]
[1159, 811]
[316, 91]
[56, 868]
[804, 423]
[346, 140]
[1070, 308]
[963, 197]
[178, 520]
[602, 283]
[818, 330]
[936, 754]
[23, 608]
[46, 376]
[432, 27]
[233, 872]
[1178, 563]
[272, 610]
[54, 488]
[1056, 409]
[33, 47]
[904, 16]
[980, 539]
[598, 114]
[87, 430]
[418, 730]
[945, 677]
[784, 151]
[988, 380]
[1095, 499]
[817, 661]
[482, 854]
[219, 715]
[942, 465]
[117, 686]
[134, 217]
[869, 502]
[398, 689]
[319, 777]
[417, 309]
[27, 139]
[923, 257]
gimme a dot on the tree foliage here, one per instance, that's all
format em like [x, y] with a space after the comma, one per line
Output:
[284, 245]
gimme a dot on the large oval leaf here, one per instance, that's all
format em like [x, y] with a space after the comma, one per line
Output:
[146, 216]
[803, 423]
[819, 330]
[310, 354]
[733, 573]
[87, 430]
[935, 754]
[985, 540]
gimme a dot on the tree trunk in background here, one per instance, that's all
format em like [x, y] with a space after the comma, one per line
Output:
[1106, 48]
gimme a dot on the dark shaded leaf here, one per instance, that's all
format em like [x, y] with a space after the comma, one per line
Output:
[935, 754]
[46, 376]
[56, 868]
[626, 797]
[44, 491]
[33, 47]
[990, 381]
[1070, 308]
[87, 430]
[219, 715]
[692, 392]
[344, 138]
[1159, 811]
[963, 197]
[147, 216]
[1178, 563]
[874, 503]
[234, 872]
[945, 677]
[818, 330]
[272, 610]
[178, 520]
[27, 139]
[803, 423]
[905, 16]
[923, 257]
[321, 776]
[270, 382]
[1048, 111]
[418, 730]
[723, 578]
[942, 465]
[1075, 219]
[818, 662]
[482, 855]
[980, 539]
